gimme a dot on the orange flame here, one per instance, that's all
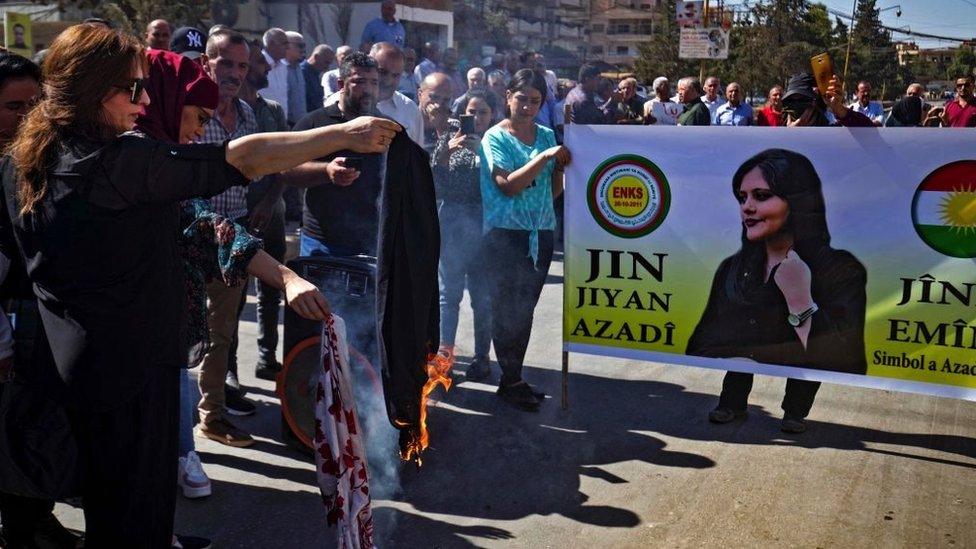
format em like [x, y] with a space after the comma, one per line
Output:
[438, 373]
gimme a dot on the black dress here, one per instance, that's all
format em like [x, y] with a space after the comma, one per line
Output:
[753, 325]
[101, 252]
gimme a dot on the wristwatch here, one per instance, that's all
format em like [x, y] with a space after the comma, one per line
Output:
[797, 320]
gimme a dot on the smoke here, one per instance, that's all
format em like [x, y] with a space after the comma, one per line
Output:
[380, 437]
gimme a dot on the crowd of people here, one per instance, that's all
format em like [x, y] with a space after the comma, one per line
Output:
[146, 181]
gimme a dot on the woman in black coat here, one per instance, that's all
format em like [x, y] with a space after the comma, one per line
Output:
[96, 217]
[786, 297]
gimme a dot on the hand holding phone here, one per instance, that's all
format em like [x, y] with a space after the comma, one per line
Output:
[823, 71]
[467, 124]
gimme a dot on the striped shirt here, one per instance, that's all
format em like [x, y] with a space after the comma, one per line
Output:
[231, 203]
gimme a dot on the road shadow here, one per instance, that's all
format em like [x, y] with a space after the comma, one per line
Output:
[252, 516]
[490, 462]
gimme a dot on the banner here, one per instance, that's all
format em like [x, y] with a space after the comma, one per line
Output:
[17, 36]
[703, 43]
[830, 254]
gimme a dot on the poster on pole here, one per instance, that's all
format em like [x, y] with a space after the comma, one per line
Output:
[17, 36]
[688, 13]
[703, 43]
[844, 255]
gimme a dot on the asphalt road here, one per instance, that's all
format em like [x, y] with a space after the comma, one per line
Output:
[632, 463]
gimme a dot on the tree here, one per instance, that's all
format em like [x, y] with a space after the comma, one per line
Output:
[134, 15]
[477, 23]
[873, 55]
[963, 63]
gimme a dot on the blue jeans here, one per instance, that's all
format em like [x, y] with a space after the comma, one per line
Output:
[188, 403]
[462, 265]
[311, 247]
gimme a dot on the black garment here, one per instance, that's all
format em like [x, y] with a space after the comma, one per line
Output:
[797, 400]
[907, 112]
[407, 292]
[101, 250]
[631, 110]
[129, 458]
[515, 285]
[754, 326]
[29, 523]
[343, 217]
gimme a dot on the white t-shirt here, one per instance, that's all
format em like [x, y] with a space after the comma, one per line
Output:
[665, 112]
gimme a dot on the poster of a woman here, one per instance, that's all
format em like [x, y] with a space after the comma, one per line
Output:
[786, 297]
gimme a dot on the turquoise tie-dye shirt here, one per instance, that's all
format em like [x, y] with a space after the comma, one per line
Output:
[529, 210]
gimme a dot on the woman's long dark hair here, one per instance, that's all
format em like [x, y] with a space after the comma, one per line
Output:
[792, 177]
[84, 65]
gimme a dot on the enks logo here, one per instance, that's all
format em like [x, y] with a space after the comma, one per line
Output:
[628, 196]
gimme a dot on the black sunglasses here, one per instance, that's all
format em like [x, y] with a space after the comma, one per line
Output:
[135, 89]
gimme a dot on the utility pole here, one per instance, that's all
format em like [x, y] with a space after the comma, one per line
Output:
[701, 62]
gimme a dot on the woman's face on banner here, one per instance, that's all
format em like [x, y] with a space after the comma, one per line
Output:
[763, 213]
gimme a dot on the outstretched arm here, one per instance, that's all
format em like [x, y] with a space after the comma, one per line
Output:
[266, 153]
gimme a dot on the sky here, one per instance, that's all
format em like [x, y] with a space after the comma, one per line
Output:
[955, 18]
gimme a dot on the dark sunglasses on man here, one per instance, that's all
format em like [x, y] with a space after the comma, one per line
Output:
[135, 89]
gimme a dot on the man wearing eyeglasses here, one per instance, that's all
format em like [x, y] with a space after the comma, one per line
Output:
[961, 111]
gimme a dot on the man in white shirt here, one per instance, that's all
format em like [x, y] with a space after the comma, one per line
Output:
[864, 105]
[711, 98]
[275, 45]
[389, 102]
[662, 110]
[330, 80]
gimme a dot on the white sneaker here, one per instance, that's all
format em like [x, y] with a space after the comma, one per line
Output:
[192, 479]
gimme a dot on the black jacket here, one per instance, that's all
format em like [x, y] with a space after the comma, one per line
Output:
[757, 328]
[101, 252]
[407, 294]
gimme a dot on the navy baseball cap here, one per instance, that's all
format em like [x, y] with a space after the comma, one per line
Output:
[188, 42]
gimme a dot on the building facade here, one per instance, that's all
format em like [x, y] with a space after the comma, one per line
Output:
[617, 27]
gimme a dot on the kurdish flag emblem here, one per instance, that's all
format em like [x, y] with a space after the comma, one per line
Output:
[944, 209]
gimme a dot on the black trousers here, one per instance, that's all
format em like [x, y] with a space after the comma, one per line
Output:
[22, 517]
[796, 402]
[515, 285]
[128, 464]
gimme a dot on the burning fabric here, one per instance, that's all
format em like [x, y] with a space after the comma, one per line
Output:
[340, 457]
[407, 294]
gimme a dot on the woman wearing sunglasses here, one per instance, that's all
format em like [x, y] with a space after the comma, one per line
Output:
[97, 219]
